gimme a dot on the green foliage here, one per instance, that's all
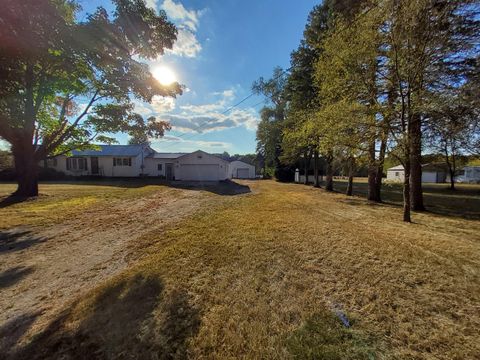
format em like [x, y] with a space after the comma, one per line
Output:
[70, 83]
[6, 159]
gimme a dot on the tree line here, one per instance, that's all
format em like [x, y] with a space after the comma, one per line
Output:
[373, 80]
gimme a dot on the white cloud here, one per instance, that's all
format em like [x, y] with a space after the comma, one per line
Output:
[142, 108]
[211, 121]
[163, 104]
[169, 142]
[177, 11]
[151, 3]
[226, 94]
[186, 45]
[158, 106]
[208, 117]
[187, 22]
[200, 118]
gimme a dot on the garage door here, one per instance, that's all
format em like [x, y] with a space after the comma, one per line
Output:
[196, 172]
[242, 173]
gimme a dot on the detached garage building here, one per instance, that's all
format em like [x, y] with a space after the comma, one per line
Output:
[200, 166]
[241, 170]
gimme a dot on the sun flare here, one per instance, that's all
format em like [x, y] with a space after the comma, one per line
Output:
[164, 75]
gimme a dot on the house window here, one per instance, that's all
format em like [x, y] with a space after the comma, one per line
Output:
[159, 167]
[397, 173]
[199, 156]
[122, 161]
[76, 163]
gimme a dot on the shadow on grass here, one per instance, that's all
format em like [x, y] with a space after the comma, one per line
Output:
[12, 331]
[229, 188]
[135, 318]
[11, 200]
[323, 336]
[12, 276]
[226, 187]
[15, 240]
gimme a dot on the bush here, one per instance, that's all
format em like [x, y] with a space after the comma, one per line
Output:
[285, 173]
[43, 174]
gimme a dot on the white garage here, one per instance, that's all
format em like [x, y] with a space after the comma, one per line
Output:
[200, 166]
[241, 170]
[196, 172]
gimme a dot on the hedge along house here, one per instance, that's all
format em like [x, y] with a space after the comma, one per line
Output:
[141, 160]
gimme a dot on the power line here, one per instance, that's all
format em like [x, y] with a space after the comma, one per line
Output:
[283, 72]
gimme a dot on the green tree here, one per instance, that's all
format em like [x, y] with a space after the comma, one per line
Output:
[272, 116]
[66, 83]
[430, 44]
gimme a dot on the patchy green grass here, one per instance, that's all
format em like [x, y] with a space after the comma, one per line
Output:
[438, 198]
[261, 276]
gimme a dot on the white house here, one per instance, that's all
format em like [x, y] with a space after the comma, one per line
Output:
[471, 174]
[241, 170]
[141, 160]
[431, 173]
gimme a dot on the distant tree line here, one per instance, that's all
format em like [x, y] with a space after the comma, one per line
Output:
[376, 80]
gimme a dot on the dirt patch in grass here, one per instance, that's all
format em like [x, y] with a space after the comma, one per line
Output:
[68, 248]
[263, 275]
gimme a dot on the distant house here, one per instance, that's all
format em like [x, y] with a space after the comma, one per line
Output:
[431, 173]
[142, 160]
[471, 174]
[241, 170]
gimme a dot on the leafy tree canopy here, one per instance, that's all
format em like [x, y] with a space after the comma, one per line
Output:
[66, 83]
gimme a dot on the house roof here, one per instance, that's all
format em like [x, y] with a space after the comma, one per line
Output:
[241, 162]
[157, 155]
[398, 167]
[427, 167]
[201, 151]
[111, 150]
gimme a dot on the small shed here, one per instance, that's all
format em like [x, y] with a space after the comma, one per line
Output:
[431, 173]
[241, 170]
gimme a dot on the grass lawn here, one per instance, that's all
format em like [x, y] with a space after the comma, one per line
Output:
[60, 201]
[464, 201]
[286, 271]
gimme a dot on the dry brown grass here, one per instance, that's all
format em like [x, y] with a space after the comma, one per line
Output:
[263, 275]
[61, 201]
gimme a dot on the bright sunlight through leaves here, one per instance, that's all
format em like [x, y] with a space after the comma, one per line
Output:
[164, 75]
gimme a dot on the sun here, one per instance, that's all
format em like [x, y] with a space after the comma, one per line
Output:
[164, 75]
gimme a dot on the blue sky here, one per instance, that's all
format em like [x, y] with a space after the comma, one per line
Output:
[222, 47]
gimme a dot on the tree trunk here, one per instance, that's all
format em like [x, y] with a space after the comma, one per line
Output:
[379, 174]
[329, 175]
[26, 169]
[406, 193]
[316, 183]
[305, 167]
[452, 180]
[372, 172]
[351, 165]
[416, 192]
